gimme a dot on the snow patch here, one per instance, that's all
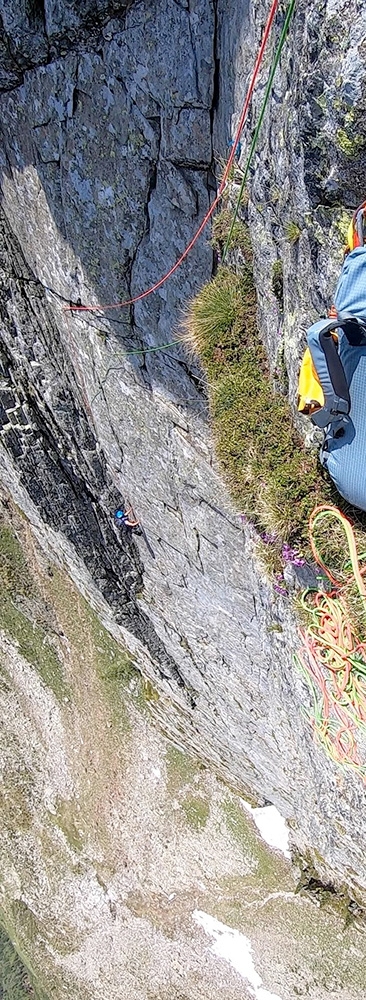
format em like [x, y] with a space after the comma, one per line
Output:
[236, 949]
[271, 825]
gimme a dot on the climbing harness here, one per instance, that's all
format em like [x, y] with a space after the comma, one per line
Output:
[332, 659]
[332, 381]
[226, 174]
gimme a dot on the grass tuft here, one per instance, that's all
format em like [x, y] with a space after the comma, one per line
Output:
[292, 232]
[239, 239]
[273, 479]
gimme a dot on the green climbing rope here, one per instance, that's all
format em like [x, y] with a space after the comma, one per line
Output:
[146, 350]
[254, 142]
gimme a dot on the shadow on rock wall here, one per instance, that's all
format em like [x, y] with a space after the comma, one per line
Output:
[107, 168]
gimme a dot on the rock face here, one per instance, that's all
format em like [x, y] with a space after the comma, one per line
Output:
[127, 868]
[111, 121]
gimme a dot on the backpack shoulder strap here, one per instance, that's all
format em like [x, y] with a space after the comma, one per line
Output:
[330, 370]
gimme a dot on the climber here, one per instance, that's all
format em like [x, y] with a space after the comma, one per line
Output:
[126, 519]
[238, 149]
[332, 381]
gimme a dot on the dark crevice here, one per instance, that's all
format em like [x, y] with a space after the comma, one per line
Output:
[194, 53]
[55, 454]
[216, 80]
[36, 12]
[76, 97]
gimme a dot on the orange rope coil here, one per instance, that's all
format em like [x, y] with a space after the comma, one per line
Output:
[332, 658]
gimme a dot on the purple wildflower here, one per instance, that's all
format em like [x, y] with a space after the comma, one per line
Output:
[269, 537]
[292, 556]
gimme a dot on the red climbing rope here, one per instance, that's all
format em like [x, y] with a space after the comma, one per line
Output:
[158, 284]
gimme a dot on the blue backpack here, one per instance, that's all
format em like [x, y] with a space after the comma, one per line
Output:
[341, 369]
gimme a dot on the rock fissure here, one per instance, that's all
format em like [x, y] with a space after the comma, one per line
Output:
[67, 483]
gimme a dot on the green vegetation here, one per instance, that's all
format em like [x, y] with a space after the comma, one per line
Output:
[349, 145]
[65, 819]
[239, 238]
[263, 867]
[273, 479]
[15, 796]
[292, 232]
[181, 769]
[196, 810]
[18, 599]
[114, 667]
[15, 983]
[277, 281]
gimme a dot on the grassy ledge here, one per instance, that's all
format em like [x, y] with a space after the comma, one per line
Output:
[273, 479]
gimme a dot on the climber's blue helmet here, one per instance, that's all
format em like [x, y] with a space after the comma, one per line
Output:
[119, 514]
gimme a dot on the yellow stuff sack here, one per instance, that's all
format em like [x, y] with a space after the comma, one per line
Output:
[310, 392]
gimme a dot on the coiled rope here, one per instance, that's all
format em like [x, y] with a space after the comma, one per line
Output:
[333, 658]
[158, 284]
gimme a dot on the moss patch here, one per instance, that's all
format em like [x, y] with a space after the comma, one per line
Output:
[196, 811]
[181, 769]
[349, 144]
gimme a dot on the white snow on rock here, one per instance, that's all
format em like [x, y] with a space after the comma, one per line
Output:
[271, 825]
[233, 946]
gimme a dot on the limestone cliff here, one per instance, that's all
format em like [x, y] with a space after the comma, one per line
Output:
[113, 120]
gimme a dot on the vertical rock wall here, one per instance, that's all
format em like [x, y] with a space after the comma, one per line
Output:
[109, 127]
